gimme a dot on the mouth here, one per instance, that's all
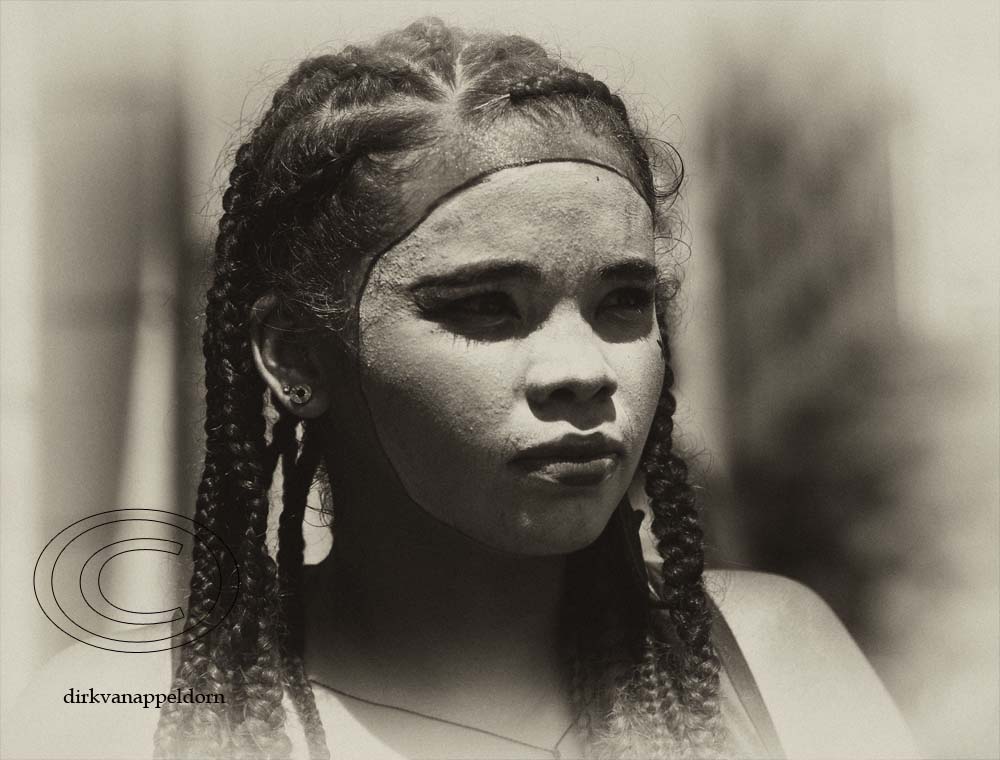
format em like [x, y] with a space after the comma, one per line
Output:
[574, 460]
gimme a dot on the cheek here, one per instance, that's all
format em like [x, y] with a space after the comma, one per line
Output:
[437, 402]
[639, 367]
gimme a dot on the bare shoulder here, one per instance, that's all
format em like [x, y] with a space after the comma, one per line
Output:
[90, 703]
[823, 695]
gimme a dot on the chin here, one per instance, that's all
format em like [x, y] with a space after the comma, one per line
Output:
[557, 532]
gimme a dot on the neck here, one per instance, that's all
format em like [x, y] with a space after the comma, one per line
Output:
[407, 612]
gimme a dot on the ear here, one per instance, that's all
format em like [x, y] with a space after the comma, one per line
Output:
[284, 357]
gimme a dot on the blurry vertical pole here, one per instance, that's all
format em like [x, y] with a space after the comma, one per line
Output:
[148, 477]
[22, 389]
[201, 36]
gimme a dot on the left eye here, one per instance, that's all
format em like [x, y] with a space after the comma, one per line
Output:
[628, 301]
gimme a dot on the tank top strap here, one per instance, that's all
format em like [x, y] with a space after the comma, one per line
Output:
[744, 684]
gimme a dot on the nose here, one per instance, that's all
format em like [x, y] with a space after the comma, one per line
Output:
[569, 365]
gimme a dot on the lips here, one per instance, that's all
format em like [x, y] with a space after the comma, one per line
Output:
[573, 460]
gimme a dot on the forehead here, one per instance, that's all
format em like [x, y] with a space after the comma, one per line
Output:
[561, 216]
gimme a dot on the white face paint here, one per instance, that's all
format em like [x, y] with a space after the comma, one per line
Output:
[519, 314]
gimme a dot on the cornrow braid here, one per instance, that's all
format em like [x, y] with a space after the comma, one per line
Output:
[566, 81]
[298, 189]
[430, 44]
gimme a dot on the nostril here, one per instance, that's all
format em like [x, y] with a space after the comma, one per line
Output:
[570, 393]
[605, 392]
[563, 394]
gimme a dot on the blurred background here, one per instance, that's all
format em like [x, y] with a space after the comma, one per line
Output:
[840, 328]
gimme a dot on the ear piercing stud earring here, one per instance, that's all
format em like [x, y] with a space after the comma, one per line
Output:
[298, 394]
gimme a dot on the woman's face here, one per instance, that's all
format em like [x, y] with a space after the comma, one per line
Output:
[509, 355]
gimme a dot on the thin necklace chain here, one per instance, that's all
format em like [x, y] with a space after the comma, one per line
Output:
[553, 751]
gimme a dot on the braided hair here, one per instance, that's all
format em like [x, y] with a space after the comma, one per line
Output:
[307, 201]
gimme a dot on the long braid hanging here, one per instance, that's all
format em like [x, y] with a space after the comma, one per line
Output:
[680, 543]
[666, 704]
[243, 646]
[235, 473]
[224, 405]
[254, 675]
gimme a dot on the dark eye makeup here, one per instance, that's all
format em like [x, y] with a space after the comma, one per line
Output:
[472, 313]
[628, 301]
[494, 314]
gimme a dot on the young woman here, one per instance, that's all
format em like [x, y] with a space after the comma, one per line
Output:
[440, 288]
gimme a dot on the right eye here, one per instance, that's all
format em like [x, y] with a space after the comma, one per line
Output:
[477, 312]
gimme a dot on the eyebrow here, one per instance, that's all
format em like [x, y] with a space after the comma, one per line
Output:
[479, 273]
[631, 269]
[494, 271]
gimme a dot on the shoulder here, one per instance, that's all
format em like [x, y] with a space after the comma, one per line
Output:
[90, 703]
[754, 602]
[823, 695]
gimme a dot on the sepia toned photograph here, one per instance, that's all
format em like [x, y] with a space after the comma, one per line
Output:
[499, 380]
